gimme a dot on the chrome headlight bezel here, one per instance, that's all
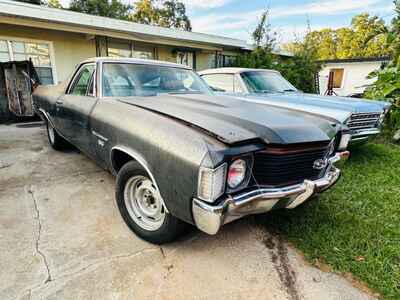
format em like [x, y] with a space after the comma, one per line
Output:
[239, 163]
[211, 183]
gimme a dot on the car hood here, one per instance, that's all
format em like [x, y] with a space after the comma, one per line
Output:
[232, 120]
[337, 108]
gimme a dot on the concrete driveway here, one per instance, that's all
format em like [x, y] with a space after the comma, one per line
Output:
[61, 237]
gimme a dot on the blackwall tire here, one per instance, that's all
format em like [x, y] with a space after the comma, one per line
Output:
[55, 140]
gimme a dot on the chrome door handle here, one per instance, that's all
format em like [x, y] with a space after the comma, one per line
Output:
[58, 102]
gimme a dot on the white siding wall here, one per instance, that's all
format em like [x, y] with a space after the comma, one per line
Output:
[354, 77]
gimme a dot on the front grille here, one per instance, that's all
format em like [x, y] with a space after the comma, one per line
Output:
[363, 121]
[277, 167]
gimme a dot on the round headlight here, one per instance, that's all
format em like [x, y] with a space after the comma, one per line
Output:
[236, 173]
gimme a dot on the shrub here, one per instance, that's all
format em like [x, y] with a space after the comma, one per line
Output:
[387, 88]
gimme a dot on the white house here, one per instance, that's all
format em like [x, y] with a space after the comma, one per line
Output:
[348, 76]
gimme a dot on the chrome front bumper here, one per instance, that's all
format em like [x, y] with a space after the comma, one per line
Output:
[210, 217]
[360, 136]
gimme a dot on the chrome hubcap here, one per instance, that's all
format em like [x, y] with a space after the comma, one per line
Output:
[51, 133]
[144, 203]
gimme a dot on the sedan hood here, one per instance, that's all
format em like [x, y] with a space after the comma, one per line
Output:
[338, 108]
[232, 120]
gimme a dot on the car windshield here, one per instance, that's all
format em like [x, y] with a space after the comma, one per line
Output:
[128, 79]
[266, 82]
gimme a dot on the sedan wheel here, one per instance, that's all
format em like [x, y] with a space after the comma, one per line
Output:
[55, 140]
[51, 134]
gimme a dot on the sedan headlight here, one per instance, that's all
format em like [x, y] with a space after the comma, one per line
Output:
[236, 173]
[344, 141]
[211, 183]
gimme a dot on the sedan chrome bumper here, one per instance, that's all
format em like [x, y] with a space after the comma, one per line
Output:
[210, 217]
[360, 136]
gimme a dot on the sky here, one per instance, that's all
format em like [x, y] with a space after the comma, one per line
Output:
[238, 18]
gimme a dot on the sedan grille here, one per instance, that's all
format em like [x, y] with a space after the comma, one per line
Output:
[290, 165]
[363, 121]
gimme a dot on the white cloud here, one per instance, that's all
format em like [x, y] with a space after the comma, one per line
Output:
[240, 24]
[329, 7]
[204, 4]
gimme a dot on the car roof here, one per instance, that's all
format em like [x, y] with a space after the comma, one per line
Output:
[232, 71]
[138, 61]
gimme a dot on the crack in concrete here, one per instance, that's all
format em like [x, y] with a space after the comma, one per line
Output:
[83, 269]
[4, 165]
[103, 262]
[163, 253]
[37, 242]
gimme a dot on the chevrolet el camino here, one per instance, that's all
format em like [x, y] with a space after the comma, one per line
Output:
[363, 117]
[183, 155]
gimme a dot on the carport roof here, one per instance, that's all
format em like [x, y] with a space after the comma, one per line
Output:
[39, 13]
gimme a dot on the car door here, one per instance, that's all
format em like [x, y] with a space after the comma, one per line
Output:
[75, 106]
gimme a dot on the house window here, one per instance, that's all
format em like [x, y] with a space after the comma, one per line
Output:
[185, 58]
[130, 49]
[4, 55]
[119, 49]
[228, 60]
[337, 75]
[38, 52]
[143, 51]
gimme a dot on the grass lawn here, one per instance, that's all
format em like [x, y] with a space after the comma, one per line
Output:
[355, 226]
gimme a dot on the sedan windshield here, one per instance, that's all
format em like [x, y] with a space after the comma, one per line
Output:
[128, 79]
[266, 82]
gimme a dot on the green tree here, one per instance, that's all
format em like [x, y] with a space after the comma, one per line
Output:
[387, 84]
[112, 9]
[300, 69]
[52, 4]
[145, 12]
[173, 14]
[263, 35]
[161, 13]
[366, 37]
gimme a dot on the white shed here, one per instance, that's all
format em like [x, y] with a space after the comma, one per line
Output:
[348, 76]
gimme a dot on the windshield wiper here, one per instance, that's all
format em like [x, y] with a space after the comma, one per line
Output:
[290, 90]
[263, 91]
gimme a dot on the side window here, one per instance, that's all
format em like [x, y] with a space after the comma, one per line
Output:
[220, 82]
[80, 85]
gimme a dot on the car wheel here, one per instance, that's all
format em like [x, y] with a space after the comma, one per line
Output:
[142, 208]
[55, 140]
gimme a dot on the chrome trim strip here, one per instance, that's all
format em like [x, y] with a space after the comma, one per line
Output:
[99, 136]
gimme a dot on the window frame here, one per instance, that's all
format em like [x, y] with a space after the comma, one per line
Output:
[342, 79]
[9, 39]
[75, 78]
[216, 74]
